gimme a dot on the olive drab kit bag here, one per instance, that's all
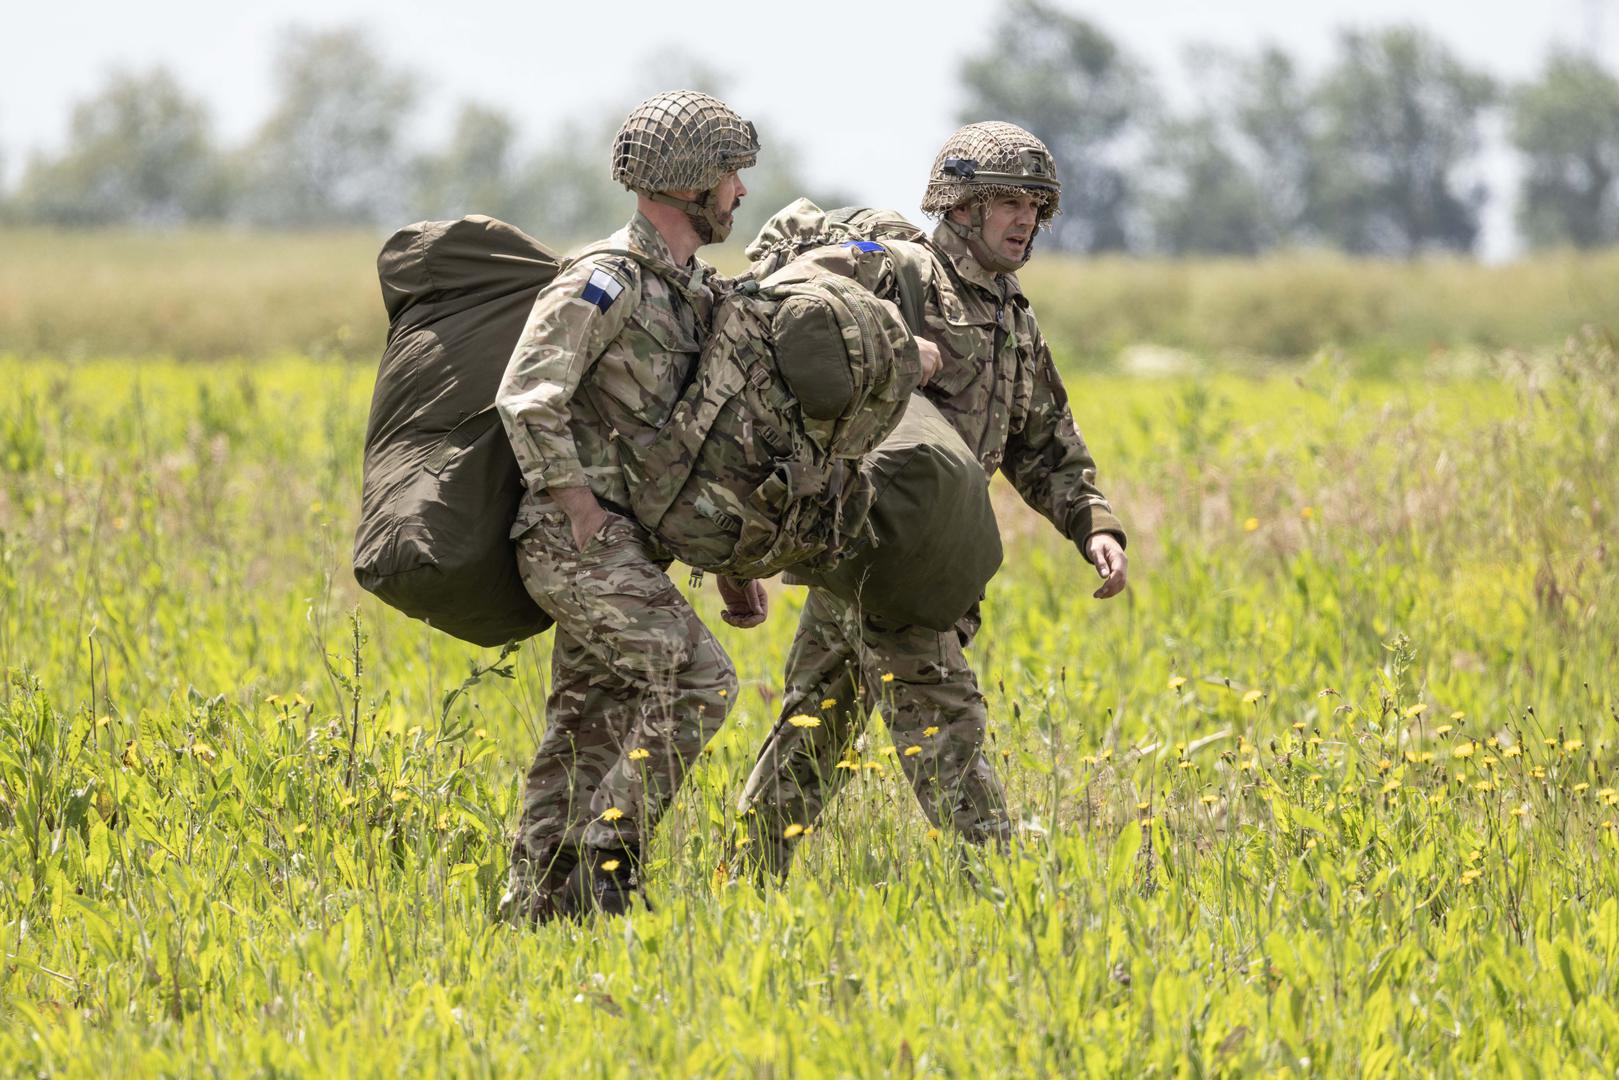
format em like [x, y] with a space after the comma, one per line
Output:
[758, 467]
[441, 484]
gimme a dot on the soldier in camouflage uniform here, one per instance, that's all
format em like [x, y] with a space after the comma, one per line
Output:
[638, 683]
[992, 186]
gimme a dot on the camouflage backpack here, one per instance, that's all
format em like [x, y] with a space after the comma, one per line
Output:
[758, 468]
[801, 226]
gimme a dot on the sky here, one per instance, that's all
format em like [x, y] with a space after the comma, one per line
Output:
[865, 91]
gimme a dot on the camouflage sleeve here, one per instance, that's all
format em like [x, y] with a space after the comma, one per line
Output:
[1050, 465]
[573, 321]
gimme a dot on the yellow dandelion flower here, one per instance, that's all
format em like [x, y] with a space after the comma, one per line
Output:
[1512, 751]
[1144, 805]
[1609, 796]
[795, 829]
[1484, 785]
[1470, 876]
[400, 796]
[481, 733]
[1210, 800]
[1573, 745]
[804, 720]
[348, 801]
[299, 829]
[934, 834]
[1458, 716]
[1147, 820]
[829, 702]
[1188, 765]
[1579, 789]
[912, 751]
[1177, 681]
[640, 753]
[1392, 785]
[929, 731]
[1251, 525]
[610, 865]
[1520, 810]
[1384, 765]
[203, 752]
[889, 751]
[1306, 513]
[1414, 711]
[1299, 725]
[1464, 750]
[1538, 772]
[1443, 729]
[873, 766]
[1492, 742]
[1106, 753]
[1252, 696]
[103, 721]
[847, 764]
[612, 813]
[888, 676]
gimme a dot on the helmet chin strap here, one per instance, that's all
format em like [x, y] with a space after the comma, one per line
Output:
[974, 236]
[703, 213]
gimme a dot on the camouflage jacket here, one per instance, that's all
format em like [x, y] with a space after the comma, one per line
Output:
[1000, 389]
[998, 386]
[608, 348]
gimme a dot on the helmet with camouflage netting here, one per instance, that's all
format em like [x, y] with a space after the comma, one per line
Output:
[991, 158]
[681, 140]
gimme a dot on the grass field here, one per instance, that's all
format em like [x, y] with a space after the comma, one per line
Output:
[1330, 791]
[208, 295]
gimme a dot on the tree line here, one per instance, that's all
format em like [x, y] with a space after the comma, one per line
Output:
[1379, 153]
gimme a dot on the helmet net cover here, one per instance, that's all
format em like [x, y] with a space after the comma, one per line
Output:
[682, 140]
[988, 159]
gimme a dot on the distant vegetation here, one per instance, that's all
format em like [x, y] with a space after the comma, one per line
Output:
[1378, 152]
[210, 294]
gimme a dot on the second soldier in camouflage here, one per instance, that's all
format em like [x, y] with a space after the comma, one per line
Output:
[992, 186]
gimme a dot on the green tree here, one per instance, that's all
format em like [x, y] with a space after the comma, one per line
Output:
[1063, 78]
[139, 152]
[1400, 127]
[1566, 125]
[1234, 177]
[1204, 199]
[474, 173]
[330, 153]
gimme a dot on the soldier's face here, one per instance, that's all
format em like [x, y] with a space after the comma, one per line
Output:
[1009, 224]
[728, 195]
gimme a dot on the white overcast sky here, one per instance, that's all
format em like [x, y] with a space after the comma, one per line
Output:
[865, 90]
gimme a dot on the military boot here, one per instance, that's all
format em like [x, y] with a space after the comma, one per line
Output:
[606, 880]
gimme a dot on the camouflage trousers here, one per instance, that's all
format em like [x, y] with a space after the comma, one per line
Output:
[638, 687]
[841, 665]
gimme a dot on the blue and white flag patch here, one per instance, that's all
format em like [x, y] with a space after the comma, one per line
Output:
[865, 247]
[602, 289]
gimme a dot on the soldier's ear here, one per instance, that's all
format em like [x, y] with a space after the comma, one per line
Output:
[961, 213]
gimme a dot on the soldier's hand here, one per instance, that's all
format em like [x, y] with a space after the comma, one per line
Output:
[745, 602]
[585, 514]
[1107, 555]
[931, 360]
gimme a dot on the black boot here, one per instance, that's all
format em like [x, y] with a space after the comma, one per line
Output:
[606, 880]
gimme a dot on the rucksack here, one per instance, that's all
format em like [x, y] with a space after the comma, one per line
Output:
[801, 226]
[440, 483]
[933, 542]
[758, 466]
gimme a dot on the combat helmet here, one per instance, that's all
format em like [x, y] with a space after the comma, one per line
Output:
[684, 140]
[987, 159]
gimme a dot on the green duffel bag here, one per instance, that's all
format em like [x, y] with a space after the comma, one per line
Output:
[441, 484]
[934, 541]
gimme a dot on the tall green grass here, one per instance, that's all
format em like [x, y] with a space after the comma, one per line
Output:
[1331, 790]
[216, 294]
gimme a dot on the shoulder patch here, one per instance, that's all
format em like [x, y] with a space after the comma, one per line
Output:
[602, 288]
[865, 247]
